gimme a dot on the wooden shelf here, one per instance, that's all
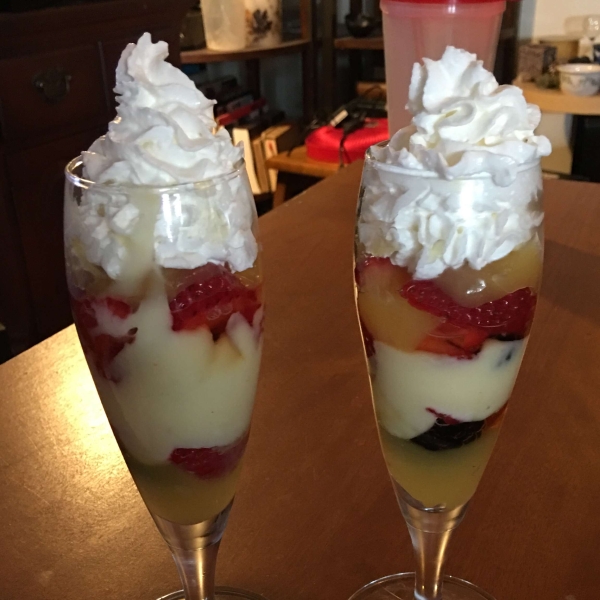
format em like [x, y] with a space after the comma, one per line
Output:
[298, 162]
[556, 101]
[208, 56]
[372, 89]
[352, 43]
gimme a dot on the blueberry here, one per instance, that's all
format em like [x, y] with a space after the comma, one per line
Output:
[509, 352]
[442, 436]
[508, 337]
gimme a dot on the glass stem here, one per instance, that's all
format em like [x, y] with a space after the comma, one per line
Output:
[430, 531]
[197, 571]
[430, 554]
[194, 549]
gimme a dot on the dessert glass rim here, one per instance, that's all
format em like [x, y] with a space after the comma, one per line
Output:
[378, 164]
[81, 182]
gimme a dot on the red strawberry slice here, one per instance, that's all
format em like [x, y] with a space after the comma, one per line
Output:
[84, 313]
[208, 463]
[447, 419]
[510, 315]
[118, 307]
[84, 310]
[102, 348]
[451, 340]
[493, 420]
[210, 303]
[105, 349]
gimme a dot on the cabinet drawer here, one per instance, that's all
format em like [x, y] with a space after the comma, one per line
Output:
[43, 93]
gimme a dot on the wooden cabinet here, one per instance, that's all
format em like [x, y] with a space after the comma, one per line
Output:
[56, 78]
[38, 184]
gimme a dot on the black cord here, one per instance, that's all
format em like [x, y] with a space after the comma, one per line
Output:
[349, 126]
[312, 126]
[342, 150]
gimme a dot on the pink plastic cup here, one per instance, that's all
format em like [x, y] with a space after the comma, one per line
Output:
[417, 29]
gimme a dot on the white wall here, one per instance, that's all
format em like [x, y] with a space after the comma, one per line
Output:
[554, 17]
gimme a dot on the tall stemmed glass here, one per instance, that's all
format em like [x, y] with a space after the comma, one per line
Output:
[443, 352]
[174, 345]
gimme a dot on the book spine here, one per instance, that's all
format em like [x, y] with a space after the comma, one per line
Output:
[270, 146]
[259, 163]
[242, 135]
[240, 113]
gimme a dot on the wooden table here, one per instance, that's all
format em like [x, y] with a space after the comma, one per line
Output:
[316, 518]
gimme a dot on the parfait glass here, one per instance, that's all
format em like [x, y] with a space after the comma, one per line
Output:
[173, 342]
[443, 351]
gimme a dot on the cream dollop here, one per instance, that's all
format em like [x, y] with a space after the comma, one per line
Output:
[430, 224]
[464, 123]
[164, 132]
[460, 185]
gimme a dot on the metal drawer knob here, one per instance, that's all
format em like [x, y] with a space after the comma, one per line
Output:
[53, 84]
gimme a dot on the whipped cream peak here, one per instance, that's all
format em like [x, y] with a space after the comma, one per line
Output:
[430, 224]
[465, 124]
[165, 132]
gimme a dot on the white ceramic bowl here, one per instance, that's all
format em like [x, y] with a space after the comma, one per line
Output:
[580, 79]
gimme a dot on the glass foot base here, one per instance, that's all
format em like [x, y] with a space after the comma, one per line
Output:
[221, 593]
[402, 587]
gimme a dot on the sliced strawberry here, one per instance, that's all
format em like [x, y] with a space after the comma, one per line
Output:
[84, 313]
[510, 315]
[84, 309]
[118, 307]
[451, 340]
[447, 419]
[207, 463]
[210, 302]
[101, 348]
[105, 349]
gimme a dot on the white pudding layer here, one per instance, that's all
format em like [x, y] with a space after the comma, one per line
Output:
[406, 384]
[180, 389]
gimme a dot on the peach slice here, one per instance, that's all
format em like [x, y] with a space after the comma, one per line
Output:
[521, 268]
[389, 317]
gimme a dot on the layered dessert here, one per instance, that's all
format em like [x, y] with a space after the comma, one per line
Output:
[164, 277]
[448, 264]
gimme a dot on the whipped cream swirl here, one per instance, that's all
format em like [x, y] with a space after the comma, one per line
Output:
[464, 123]
[432, 224]
[460, 185]
[164, 134]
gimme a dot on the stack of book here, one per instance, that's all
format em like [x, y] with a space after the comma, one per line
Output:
[262, 130]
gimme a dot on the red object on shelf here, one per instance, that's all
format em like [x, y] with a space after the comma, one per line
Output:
[324, 143]
[235, 115]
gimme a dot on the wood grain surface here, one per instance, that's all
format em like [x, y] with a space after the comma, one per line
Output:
[315, 517]
[557, 101]
[297, 161]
